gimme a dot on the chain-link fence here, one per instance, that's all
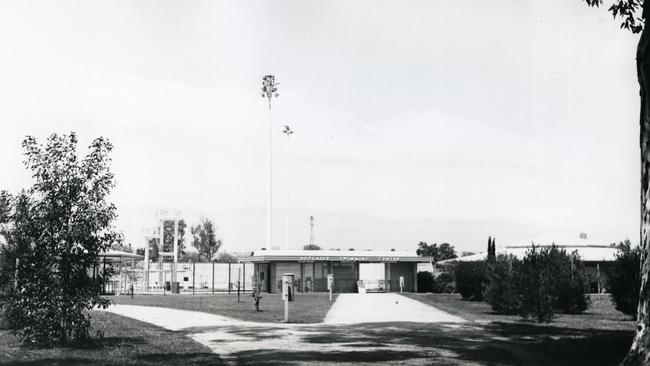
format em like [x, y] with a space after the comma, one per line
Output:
[186, 277]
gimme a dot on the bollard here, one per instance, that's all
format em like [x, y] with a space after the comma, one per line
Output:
[287, 293]
[330, 284]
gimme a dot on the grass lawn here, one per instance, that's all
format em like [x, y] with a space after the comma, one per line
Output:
[600, 315]
[307, 307]
[126, 342]
[599, 337]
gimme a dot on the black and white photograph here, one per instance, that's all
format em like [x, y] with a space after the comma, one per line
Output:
[324, 182]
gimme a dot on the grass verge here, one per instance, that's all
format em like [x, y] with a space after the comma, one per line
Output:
[307, 307]
[600, 315]
[126, 342]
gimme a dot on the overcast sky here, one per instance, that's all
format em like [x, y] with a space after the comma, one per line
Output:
[438, 121]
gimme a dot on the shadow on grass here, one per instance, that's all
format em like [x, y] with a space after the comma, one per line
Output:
[58, 362]
[495, 343]
[206, 358]
[278, 357]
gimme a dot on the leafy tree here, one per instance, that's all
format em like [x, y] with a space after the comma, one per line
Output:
[446, 251]
[204, 238]
[426, 282]
[311, 247]
[195, 257]
[5, 206]
[57, 229]
[545, 282]
[502, 293]
[181, 237]
[572, 285]
[438, 253]
[633, 14]
[472, 279]
[491, 250]
[225, 257]
[624, 278]
[549, 281]
[168, 237]
[119, 244]
[154, 249]
[425, 250]
[445, 283]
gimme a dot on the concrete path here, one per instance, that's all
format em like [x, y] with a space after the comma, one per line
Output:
[384, 308]
[230, 337]
[175, 319]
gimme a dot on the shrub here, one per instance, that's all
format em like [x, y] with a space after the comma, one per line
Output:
[624, 279]
[545, 282]
[471, 279]
[534, 284]
[571, 284]
[57, 230]
[502, 292]
[592, 278]
[426, 283]
[550, 281]
[444, 284]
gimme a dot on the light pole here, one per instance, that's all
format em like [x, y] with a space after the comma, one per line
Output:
[288, 131]
[269, 90]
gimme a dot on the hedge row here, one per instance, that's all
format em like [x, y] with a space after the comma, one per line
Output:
[443, 284]
[547, 281]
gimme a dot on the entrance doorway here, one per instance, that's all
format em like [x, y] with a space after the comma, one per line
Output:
[373, 276]
[345, 277]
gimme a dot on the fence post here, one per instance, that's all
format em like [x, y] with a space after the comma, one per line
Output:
[193, 277]
[229, 282]
[244, 279]
[123, 274]
[147, 276]
[213, 277]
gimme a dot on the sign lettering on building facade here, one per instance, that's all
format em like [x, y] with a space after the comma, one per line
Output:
[347, 259]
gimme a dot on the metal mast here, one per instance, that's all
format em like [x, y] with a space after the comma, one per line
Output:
[288, 131]
[269, 90]
[311, 230]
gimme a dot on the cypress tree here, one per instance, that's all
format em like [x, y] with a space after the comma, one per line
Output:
[489, 248]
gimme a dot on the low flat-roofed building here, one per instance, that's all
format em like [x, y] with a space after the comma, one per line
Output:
[311, 267]
[596, 258]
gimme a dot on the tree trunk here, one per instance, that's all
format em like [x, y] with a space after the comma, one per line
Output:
[639, 353]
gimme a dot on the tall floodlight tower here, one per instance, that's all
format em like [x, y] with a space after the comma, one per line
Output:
[288, 131]
[311, 230]
[269, 90]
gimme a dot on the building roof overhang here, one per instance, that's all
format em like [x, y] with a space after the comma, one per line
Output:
[264, 256]
[118, 256]
[587, 253]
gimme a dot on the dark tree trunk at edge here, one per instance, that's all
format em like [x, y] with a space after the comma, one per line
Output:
[639, 353]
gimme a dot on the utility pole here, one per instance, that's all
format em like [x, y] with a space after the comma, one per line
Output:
[269, 90]
[288, 131]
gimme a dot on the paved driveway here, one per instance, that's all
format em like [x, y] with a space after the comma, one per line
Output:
[384, 308]
[331, 342]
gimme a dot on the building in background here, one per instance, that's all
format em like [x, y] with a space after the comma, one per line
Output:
[596, 258]
[377, 270]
